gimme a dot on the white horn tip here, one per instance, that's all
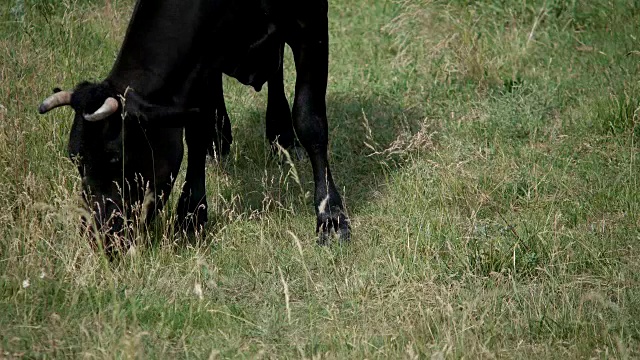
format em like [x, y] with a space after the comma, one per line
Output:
[109, 107]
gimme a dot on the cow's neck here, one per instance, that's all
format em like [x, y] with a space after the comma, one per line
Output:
[158, 51]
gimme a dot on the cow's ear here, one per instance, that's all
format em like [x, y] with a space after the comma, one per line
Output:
[152, 115]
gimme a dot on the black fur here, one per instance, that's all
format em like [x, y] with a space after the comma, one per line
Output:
[169, 71]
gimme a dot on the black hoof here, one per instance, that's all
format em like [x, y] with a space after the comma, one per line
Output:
[191, 222]
[334, 222]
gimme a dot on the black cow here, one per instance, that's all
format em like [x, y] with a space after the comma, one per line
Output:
[127, 135]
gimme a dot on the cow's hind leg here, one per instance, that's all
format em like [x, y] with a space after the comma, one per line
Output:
[311, 53]
[279, 126]
[192, 205]
[219, 127]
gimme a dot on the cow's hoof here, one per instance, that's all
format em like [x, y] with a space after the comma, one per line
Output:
[114, 245]
[192, 222]
[335, 222]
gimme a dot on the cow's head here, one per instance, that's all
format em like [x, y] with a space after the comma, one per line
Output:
[119, 160]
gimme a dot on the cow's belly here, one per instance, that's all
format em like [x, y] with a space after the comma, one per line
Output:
[247, 45]
[255, 66]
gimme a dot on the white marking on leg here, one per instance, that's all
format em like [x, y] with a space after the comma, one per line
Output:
[323, 204]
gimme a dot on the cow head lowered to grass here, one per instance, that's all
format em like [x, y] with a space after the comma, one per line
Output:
[120, 162]
[127, 131]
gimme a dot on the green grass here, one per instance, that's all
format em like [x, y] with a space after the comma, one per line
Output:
[487, 152]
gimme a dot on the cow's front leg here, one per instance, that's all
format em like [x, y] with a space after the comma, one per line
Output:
[192, 205]
[311, 55]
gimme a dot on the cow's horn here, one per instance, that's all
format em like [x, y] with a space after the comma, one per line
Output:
[109, 107]
[60, 98]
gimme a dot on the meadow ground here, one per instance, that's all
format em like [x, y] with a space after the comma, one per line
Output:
[487, 152]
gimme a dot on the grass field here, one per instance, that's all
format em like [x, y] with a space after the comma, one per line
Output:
[487, 152]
